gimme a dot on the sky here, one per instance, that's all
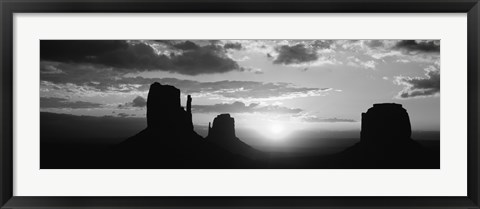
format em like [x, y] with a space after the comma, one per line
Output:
[275, 89]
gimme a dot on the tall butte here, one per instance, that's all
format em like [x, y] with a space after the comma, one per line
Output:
[164, 111]
[385, 141]
[169, 125]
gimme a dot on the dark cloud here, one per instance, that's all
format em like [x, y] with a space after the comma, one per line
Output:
[205, 60]
[418, 46]
[296, 54]
[187, 45]
[117, 54]
[374, 43]
[55, 102]
[236, 46]
[240, 107]
[137, 56]
[77, 50]
[420, 86]
[139, 101]
[122, 115]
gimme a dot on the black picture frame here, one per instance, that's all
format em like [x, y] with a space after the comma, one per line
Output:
[10, 7]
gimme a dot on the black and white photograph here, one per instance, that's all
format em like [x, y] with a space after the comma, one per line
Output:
[240, 104]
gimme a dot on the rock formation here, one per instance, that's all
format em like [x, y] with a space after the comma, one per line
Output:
[385, 142]
[385, 123]
[189, 112]
[164, 110]
[222, 133]
[223, 127]
[169, 141]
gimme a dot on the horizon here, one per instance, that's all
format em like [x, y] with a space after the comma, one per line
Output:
[109, 130]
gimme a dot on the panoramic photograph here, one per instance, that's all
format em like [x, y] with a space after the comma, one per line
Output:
[240, 104]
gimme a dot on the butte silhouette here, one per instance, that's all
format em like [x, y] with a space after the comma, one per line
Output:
[385, 142]
[169, 141]
[222, 134]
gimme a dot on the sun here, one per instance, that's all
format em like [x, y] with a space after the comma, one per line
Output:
[277, 130]
[272, 129]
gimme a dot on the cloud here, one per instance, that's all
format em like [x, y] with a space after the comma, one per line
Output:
[374, 43]
[251, 90]
[316, 119]
[205, 60]
[240, 107]
[244, 90]
[301, 53]
[120, 55]
[84, 79]
[198, 57]
[139, 101]
[187, 45]
[370, 64]
[323, 44]
[79, 74]
[125, 115]
[236, 46]
[425, 51]
[183, 57]
[383, 54]
[403, 61]
[77, 50]
[253, 70]
[355, 62]
[418, 46]
[89, 78]
[122, 115]
[420, 86]
[55, 102]
[296, 54]
[49, 69]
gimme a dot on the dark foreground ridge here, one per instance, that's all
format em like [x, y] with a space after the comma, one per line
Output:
[169, 141]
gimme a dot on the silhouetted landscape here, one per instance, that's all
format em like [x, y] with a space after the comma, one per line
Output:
[239, 104]
[169, 141]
